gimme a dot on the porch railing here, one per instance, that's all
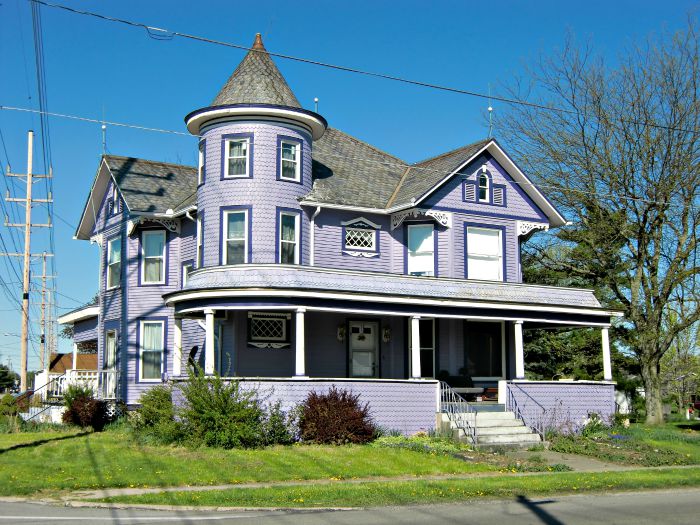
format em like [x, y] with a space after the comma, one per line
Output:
[536, 424]
[103, 384]
[458, 411]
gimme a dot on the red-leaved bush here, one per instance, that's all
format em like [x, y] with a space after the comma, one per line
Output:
[336, 417]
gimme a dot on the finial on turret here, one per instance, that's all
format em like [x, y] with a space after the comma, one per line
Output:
[258, 42]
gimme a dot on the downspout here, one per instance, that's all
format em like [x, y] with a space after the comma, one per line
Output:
[312, 237]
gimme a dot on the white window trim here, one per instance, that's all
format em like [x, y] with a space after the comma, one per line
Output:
[270, 342]
[503, 358]
[110, 243]
[245, 235]
[408, 251]
[141, 351]
[199, 246]
[200, 165]
[296, 236]
[500, 253]
[227, 142]
[433, 348]
[297, 160]
[373, 248]
[164, 267]
[184, 275]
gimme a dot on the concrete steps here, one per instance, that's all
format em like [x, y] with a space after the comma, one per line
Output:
[494, 427]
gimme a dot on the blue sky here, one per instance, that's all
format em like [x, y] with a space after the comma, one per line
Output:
[103, 70]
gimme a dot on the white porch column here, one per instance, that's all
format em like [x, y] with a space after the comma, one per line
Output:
[75, 357]
[299, 345]
[607, 367]
[415, 347]
[519, 352]
[177, 349]
[209, 342]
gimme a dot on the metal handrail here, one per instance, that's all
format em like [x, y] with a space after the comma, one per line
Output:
[56, 379]
[457, 410]
[512, 405]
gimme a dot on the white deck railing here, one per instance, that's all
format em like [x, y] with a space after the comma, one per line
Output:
[103, 383]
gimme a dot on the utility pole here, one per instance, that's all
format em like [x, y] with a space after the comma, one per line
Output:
[27, 255]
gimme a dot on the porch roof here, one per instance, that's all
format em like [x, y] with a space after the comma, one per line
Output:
[304, 281]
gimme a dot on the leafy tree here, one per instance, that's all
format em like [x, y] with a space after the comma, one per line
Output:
[8, 378]
[618, 151]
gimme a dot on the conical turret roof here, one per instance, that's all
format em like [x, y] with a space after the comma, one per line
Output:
[256, 80]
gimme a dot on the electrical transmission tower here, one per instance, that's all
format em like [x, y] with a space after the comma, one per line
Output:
[27, 256]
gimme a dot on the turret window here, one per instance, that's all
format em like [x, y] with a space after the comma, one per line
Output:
[290, 165]
[237, 158]
[288, 238]
[200, 167]
[236, 236]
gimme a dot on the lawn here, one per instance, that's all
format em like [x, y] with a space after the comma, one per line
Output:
[420, 491]
[675, 443]
[56, 461]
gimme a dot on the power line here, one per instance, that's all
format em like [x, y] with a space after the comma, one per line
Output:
[167, 34]
[396, 165]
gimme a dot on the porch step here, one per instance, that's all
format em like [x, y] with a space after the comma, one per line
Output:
[487, 407]
[510, 439]
[499, 428]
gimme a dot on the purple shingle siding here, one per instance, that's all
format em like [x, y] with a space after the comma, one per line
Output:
[405, 406]
[558, 405]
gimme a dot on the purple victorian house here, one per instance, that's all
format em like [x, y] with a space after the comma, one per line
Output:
[296, 257]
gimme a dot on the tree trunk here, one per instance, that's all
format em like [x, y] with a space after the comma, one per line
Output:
[652, 388]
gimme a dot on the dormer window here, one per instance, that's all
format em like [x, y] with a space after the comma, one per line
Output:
[484, 184]
[237, 159]
[290, 161]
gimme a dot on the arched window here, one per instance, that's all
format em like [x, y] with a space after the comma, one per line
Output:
[484, 187]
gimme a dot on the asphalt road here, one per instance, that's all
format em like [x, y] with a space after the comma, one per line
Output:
[657, 507]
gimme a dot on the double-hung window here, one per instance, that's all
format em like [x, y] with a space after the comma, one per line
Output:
[186, 270]
[289, 238]
[484, 254]
[421, 250]
[236, 237]
[153, 257]
[290, 165]
[200, 165]
[237, 158]
[114, 262]
[152, 346]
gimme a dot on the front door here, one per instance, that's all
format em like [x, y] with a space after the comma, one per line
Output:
[363, 348]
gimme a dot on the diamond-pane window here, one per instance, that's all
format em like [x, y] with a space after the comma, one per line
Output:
[359, 239]
[268, 327]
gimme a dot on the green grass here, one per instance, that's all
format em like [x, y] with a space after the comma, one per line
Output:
[671, 444]
[53, 461]
[417, 492]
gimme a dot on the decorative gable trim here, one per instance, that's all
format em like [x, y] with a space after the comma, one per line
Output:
[444, 218]
[525, 227]
[172, 225]
[361, 222]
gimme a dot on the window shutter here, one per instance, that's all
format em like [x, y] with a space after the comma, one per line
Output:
[469, 192]
[499, 196]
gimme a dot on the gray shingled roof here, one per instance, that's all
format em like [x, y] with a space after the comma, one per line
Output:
[153, 187]
[349, 171]
[423, 175]
[256, 80]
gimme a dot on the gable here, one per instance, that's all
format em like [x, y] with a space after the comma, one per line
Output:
[504, 196]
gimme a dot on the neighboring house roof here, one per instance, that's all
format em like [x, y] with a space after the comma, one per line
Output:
[256, 80]
[61, 363]
[149, 186]
[80, 314]
[351, 172]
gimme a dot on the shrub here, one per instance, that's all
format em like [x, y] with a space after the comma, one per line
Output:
[9, 410]
[155, 419]
[83, 409]
[336, 417]
[278, 426]
[218, 413]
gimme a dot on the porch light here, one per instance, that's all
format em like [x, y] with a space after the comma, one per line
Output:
[341, 332]
[386, 334]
